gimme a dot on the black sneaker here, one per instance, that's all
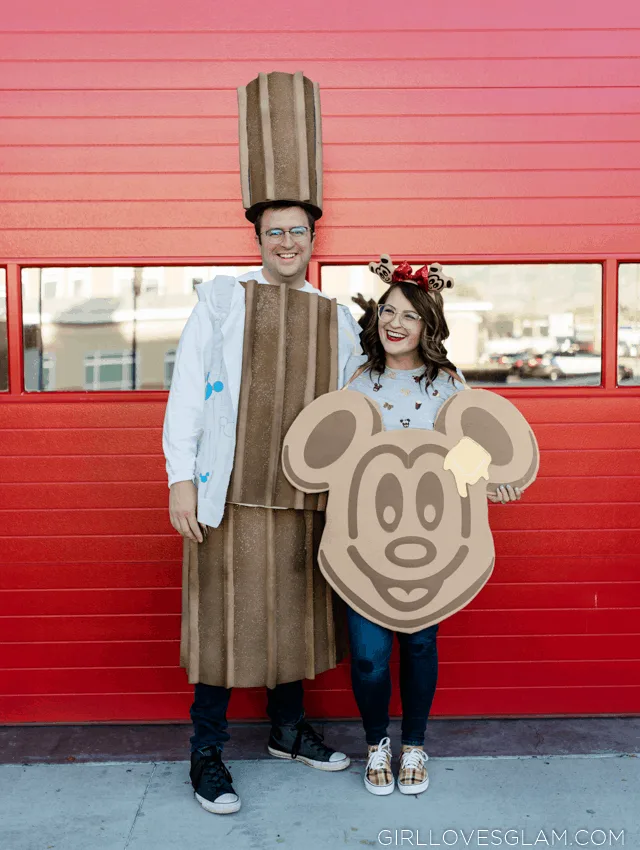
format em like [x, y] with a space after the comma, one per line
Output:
[212, 782]
[303, 743]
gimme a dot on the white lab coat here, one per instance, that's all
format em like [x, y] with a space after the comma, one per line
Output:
[199, 436]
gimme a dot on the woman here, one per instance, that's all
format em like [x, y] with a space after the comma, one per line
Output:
[409, 375]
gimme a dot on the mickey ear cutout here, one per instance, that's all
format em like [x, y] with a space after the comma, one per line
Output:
[323, 434]
[384, 269]
[499, 427]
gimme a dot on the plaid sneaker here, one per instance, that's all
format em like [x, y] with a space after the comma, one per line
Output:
[378, 778]
[413, 777]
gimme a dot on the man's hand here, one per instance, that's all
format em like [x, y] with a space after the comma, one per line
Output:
[183, 500]
[505, 493]
[363, 303]
[369, 307]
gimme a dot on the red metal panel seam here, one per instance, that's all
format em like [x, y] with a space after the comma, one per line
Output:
[14, 332]
[313, 274]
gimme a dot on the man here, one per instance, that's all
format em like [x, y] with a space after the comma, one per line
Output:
[256, 610]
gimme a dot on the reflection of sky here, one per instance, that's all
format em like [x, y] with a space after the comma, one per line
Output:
[533, 289]
[3, 296]
[629, 295]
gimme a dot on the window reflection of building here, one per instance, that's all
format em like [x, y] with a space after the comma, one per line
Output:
[629, 324]
[79, 283]
[106, 328]
[152, 281]
[39, 372]
[51, 283]
[169, 363]
[108, 370]
[4, 355]
[509, 323]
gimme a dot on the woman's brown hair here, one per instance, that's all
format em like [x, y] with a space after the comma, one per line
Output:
[430, 308]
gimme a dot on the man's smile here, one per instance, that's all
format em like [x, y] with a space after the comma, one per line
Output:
[287, 256]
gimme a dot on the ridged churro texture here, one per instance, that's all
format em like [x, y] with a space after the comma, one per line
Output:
[256, 609]
[280, 135]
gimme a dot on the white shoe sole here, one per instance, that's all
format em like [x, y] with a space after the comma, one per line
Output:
[319, 765]
[379, 790]
[414, 789]
[218, 808]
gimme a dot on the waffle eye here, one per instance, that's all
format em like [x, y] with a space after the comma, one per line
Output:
[430, 501]
[389, 502]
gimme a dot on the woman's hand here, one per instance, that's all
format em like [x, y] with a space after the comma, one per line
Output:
[505, 493]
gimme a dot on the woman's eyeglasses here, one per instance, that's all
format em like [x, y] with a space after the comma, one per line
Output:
[276, 234]
[408, 319]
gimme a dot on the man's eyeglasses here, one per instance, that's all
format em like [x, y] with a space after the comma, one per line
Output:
[408, 319]
[276, 234]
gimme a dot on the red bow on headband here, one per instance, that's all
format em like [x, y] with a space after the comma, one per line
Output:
[404, 272]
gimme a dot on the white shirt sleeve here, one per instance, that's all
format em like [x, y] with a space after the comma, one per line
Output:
[184, 415]
[356, 330]
[349, 331]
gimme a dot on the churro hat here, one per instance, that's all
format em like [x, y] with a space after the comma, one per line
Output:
[280, 143]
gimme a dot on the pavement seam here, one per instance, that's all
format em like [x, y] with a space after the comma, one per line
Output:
[140, 804]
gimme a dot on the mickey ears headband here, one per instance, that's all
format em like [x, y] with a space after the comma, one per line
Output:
[429, 277]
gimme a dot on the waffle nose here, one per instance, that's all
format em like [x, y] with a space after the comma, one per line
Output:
[410, 552]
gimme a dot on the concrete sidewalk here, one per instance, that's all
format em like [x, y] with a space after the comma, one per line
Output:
[588, 800]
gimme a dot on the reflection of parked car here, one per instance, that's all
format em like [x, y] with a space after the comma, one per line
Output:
[568, 364]
[625, 373]
[514, 361]
[561, 364]
[626, 349]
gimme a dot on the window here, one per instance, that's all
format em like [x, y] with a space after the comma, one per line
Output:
[39, 370]
[4, 352]
[109, 370]
[629, 324]
[79, 283]
[121, 281]
[526, 324]
[169, 363]
[50, 283]
[106, 327]
[152, 281]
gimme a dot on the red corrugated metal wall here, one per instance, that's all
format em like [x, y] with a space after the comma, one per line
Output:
[462, 130]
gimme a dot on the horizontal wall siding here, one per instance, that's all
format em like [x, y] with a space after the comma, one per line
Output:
[514, 135]
[90, 598]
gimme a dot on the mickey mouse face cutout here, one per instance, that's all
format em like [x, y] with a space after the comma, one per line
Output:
[384, 269]
[407, 541]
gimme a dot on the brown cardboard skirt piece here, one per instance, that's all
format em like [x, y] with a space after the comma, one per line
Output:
[255, 611]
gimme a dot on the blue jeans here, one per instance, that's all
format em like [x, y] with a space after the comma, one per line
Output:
[371, 680]
[209, 711]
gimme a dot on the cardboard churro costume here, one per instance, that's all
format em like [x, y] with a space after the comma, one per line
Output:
[256, 610]
[407, 540]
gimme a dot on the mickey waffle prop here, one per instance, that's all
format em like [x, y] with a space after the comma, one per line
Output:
[407, 541]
